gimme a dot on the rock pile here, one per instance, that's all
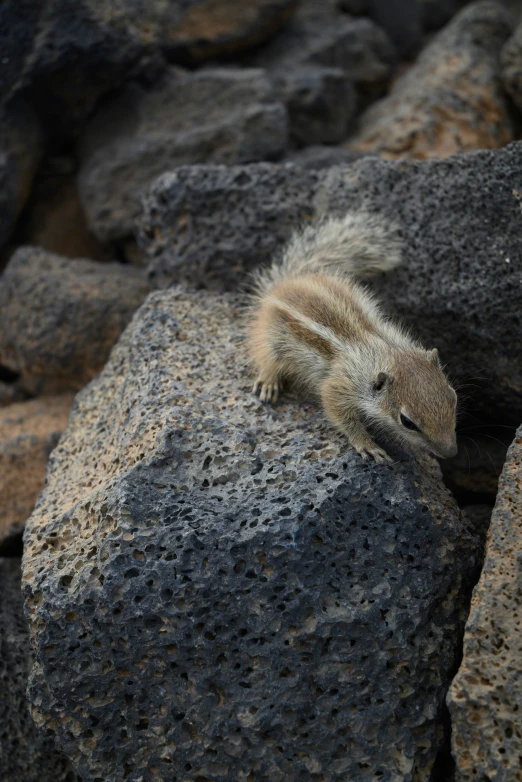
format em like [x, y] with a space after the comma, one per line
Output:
[217, 590]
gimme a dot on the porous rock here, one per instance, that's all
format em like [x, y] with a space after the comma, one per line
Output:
[451, 100]
[236, 594]
[60, 317]
[26, 754]
[485, 697]
[28, 433]
[222, 115]
[459, 287]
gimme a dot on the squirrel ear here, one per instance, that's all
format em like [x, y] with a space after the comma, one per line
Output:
[380, 381]
[433, 356]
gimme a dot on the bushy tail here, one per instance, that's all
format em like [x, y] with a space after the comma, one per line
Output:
[356, 245]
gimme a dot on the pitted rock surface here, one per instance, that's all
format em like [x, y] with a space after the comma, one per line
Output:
[460, 285]
[60, 317]
[221, 590]
[219, 115]
[486, 695]
[26, 754]
[451, 100]
[28, 433]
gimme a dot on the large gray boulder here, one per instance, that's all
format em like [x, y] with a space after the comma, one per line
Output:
[221, 590]
[26, 754]
[220, 115]
[486, 695]
[459, 287]
[60, 317]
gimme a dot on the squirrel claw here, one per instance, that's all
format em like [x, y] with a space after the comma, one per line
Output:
[378, 454]
[267, 392]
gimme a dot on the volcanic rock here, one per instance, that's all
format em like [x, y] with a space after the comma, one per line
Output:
[485, 696]
[224, 115]
[221, 590]
[60, 317]
[451, 100]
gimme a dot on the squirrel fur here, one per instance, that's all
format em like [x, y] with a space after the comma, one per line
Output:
[313, 324]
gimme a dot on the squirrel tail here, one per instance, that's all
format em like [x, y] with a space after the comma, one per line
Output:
[357, 245]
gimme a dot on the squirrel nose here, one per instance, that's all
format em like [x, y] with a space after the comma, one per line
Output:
[450, 450]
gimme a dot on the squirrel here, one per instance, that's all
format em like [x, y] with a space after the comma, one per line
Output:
[315, 325]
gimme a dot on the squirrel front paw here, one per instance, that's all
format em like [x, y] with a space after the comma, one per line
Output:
[267, 392]
[372, 450]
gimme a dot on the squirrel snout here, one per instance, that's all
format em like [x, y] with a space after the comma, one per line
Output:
[446, 451]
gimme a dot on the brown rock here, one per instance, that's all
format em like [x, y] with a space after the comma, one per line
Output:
[205, 29]
[451, 100]
[485, 697]
[28, 433]
[59, 317]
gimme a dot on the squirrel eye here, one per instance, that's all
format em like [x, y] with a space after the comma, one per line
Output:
[409, 424]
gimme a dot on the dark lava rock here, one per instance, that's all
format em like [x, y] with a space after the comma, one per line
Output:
[321, 103]
[26, 754]
[224, 115]
[20, 151]
[319, 35]
[459, 287]
[402, 20]
[59, 318]
[217, 589]
[435, 13]
[63, 55]
[451, 100]
[28, 433]
[486, 694]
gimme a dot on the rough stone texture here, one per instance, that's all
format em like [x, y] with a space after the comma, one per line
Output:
[486, 694]
[321, 103]
[26, 754]
[319, 35]
[28, 433]
[20, 149]
[63, 55]
[459, 287]
[451, 100]
[511, 60]
[59, 318]
[222, 115]
[235, 593]
[402, 20]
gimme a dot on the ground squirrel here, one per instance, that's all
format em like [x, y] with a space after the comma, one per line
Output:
[314, 325]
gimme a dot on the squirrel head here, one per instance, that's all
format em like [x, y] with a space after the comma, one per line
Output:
[413, 400]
